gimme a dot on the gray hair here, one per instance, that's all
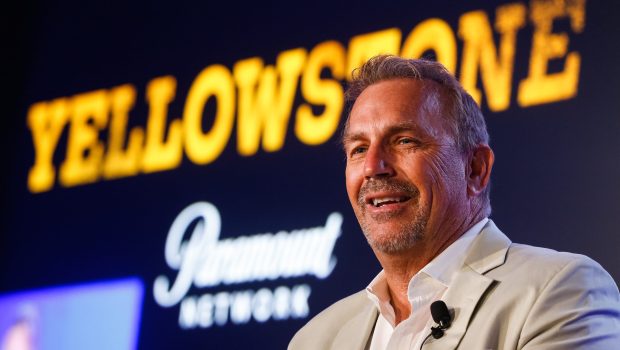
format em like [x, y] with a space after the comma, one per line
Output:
[464, 116]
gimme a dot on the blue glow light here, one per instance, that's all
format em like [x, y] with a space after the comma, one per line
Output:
[101, 315]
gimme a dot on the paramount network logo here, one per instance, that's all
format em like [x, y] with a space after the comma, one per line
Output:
[203, 260]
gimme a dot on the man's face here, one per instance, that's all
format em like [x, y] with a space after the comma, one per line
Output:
[405, 176]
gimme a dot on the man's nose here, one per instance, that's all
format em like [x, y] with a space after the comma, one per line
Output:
[377, 163]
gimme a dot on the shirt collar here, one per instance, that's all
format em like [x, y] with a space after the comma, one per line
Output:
[442, 268]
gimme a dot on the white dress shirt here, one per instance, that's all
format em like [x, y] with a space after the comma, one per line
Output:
[428, 285]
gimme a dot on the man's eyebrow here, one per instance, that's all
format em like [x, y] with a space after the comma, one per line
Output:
[392, 129]
[403, 126]
[348, 138]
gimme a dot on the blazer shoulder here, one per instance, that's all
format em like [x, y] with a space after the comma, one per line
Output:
[576, 301]
[548, 258]
[542, 267]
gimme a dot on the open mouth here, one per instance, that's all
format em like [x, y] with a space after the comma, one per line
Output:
[381, 201]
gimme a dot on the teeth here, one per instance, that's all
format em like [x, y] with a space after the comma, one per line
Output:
[378, 201]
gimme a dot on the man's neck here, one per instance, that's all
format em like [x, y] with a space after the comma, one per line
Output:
[400, 267]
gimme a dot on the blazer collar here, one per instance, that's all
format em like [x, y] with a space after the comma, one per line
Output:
[487, 252]
[357, 332]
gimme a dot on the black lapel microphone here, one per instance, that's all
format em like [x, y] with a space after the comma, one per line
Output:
[441, 316]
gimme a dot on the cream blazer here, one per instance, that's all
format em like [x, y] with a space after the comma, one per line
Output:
[505, 296]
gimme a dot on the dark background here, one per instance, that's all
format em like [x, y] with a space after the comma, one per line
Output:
[556, 181]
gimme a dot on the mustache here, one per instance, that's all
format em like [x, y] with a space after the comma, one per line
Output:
[386, 185]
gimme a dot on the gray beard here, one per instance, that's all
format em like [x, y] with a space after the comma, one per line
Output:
[403, 239]
[408, 234]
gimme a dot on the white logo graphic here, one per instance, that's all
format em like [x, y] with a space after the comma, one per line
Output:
[205, 261]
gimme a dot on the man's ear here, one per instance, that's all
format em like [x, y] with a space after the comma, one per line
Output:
[479, 169]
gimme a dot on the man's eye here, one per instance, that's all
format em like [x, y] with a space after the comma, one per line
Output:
[358, 150]
[405, 141]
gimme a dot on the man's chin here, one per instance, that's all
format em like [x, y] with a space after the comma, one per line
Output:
[392, 242]
[392, 246]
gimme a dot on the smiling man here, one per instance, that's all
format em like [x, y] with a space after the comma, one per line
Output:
[417, 176]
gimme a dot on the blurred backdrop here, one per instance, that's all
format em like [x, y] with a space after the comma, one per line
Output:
[172, 173]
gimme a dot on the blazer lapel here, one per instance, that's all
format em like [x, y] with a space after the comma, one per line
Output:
[356, 333]
[487, 252]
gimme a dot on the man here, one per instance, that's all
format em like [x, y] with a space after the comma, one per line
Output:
[417, 176]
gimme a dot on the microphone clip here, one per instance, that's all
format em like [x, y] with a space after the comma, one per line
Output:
[437, 332]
